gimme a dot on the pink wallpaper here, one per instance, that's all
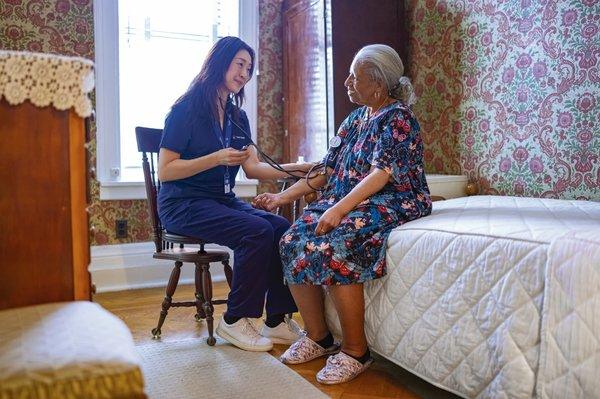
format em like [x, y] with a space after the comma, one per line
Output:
[509, 93]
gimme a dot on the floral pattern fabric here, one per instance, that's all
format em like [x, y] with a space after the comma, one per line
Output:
[354, 252]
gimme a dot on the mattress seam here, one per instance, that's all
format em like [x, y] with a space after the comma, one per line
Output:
[472, 234]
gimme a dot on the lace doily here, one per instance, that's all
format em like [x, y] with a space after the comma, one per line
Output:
[46, 79]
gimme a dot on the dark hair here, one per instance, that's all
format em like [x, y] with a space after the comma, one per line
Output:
[203, 91]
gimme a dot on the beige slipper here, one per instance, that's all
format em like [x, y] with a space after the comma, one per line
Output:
[305, 350]
[341, 368]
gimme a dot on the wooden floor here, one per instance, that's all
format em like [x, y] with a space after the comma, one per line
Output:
[139, 309]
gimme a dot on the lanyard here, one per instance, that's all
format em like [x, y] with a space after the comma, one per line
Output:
[224, 138]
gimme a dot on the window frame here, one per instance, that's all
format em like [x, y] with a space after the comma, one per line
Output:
[113, 186]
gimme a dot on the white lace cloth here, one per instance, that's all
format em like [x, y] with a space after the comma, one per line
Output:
[47, 79]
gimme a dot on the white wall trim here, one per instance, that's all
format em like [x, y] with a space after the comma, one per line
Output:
[131, 266]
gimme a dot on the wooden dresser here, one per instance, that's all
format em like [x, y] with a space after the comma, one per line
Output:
[44, 250]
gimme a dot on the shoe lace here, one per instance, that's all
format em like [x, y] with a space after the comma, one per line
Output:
[293, 326]
[250, 329]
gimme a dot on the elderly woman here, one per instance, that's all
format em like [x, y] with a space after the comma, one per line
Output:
[374, 181]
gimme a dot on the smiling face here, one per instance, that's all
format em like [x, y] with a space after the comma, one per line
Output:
[238, 73]
[361, 87]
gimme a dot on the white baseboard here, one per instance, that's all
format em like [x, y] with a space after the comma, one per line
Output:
[131, 266]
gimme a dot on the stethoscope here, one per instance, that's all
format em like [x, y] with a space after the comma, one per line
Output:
[313, 172]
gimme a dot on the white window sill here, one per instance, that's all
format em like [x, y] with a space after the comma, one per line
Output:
[131, 190]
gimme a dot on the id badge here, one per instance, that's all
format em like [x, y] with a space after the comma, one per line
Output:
[227, 186]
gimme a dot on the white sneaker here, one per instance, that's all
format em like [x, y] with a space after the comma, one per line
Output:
[286, 333]
[244, 335]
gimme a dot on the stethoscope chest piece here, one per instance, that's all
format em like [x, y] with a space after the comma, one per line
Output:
[335, 141]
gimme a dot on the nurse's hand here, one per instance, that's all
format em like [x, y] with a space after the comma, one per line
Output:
[268, 202]
[231, 156]
[329, 221]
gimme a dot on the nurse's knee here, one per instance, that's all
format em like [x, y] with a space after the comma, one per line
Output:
[280, 226]
[261, 230]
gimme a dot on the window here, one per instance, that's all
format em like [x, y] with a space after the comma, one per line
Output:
[147, 53]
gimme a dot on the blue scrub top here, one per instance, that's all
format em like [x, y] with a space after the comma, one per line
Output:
[196, 140]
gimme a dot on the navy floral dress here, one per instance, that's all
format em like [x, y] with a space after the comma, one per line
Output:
[354, 251]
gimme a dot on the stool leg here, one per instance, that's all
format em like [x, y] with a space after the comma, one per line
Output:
[166, 303]
[228, 272]
[200, 314]
[208, 306]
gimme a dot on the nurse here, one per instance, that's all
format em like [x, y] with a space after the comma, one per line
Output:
[205, 140]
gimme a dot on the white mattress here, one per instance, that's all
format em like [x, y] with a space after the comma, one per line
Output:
[466, 292]
[527, 219]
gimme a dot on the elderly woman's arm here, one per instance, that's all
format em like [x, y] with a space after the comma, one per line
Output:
[270, 202]
[371, 184]
[255, 169]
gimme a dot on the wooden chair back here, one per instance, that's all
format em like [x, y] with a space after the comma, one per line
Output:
[148, 142]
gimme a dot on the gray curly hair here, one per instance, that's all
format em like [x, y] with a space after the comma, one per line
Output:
[384, 65]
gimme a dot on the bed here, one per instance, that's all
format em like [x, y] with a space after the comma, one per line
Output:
[493, 296]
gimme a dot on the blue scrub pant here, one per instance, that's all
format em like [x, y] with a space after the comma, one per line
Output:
[253, 235]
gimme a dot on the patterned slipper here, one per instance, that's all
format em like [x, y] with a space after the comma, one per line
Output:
[305, 350]
[341, 368]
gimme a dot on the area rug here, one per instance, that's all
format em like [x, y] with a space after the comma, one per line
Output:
[192, 369]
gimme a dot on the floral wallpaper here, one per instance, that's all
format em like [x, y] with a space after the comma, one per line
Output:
[66, 27]
[48, 26]
[509, 93]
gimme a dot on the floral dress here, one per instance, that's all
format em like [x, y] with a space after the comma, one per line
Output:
[354, 251]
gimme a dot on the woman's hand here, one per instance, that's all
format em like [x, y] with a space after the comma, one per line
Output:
[268, 202]
[329, 220]
[231, 156]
